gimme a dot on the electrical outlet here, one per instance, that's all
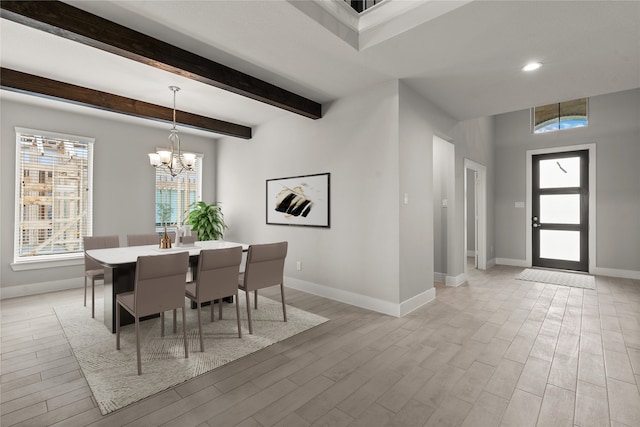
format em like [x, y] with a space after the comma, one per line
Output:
[299, 265]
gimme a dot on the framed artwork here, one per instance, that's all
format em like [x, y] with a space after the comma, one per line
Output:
[299, 200]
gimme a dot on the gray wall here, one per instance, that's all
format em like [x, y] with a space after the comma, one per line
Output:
[474, 140]
[372, 164]
[124, 195]
[419, 120]
[614, 126]
[443, 188]
[357, 142]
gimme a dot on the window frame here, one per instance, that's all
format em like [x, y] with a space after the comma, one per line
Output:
[49, 260]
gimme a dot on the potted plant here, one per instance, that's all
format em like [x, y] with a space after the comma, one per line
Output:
[207, 221]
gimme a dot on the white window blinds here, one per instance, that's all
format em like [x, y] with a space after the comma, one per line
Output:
[175, 195]
[53, 195]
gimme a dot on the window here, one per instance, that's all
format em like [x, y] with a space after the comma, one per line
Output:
[563, 115]
[174, 195]
[53, 195]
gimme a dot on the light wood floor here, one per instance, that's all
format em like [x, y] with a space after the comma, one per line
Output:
[495, 351]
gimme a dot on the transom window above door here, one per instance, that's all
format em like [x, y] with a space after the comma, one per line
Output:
[559, 116]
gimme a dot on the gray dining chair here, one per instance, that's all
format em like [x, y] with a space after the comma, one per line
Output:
[264, 268]
[158, 287]
[143, 239]
[92, 269]
[216, 278]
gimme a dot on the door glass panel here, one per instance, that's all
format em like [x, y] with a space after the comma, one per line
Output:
[559, 173]
[560, 209]
[560, 244]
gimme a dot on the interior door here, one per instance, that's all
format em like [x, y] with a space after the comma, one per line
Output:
[560, 208]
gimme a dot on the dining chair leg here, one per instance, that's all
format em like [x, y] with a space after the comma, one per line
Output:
[200, 327]
[249, 311]
[212, 316]
[118, 308]
[184, 332]
[85, 290]
[284, 307]
[219, 308]
[138, 345]
[93, 298]
[256, 298]
[162, 324]
[238, 316]
[175, 322]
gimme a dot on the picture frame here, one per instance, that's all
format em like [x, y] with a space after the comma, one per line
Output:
[299, 200]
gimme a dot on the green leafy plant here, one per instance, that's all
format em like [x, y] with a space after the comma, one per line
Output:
[207, 220]
[164, 212]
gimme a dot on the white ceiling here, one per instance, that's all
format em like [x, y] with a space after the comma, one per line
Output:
[467, 60]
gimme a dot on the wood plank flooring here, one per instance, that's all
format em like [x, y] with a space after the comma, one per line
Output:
[493, 352]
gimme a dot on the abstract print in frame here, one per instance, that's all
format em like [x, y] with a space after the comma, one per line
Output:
[299, 200]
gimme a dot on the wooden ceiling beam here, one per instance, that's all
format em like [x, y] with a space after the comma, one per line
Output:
[83, 27]
[18, 81]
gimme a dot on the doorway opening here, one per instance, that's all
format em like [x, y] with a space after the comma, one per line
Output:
[475, 216]
[472, 218]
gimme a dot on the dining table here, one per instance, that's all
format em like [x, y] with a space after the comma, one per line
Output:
[120, 267]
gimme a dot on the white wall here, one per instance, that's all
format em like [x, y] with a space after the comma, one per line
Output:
[124, 195]
[614, 126]
[371, 161]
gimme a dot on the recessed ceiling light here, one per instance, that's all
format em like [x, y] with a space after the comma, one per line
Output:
[531, 66]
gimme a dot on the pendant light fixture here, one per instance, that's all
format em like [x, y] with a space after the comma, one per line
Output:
[172, 161]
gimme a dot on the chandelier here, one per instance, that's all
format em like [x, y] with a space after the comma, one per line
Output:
[168, 159]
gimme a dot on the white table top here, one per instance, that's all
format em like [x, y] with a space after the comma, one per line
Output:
[112, 257]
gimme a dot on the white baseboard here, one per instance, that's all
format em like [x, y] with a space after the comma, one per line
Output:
[41, 288]
[512, 262]
[456, 280]
[614, 272]
[363, 301]
[491, 263]
[416, 302]
[439, 277]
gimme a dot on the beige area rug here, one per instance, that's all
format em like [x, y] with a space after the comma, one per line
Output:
[558, 278]
[112, 374]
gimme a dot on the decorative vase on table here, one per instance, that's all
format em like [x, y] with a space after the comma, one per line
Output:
[165, 241]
